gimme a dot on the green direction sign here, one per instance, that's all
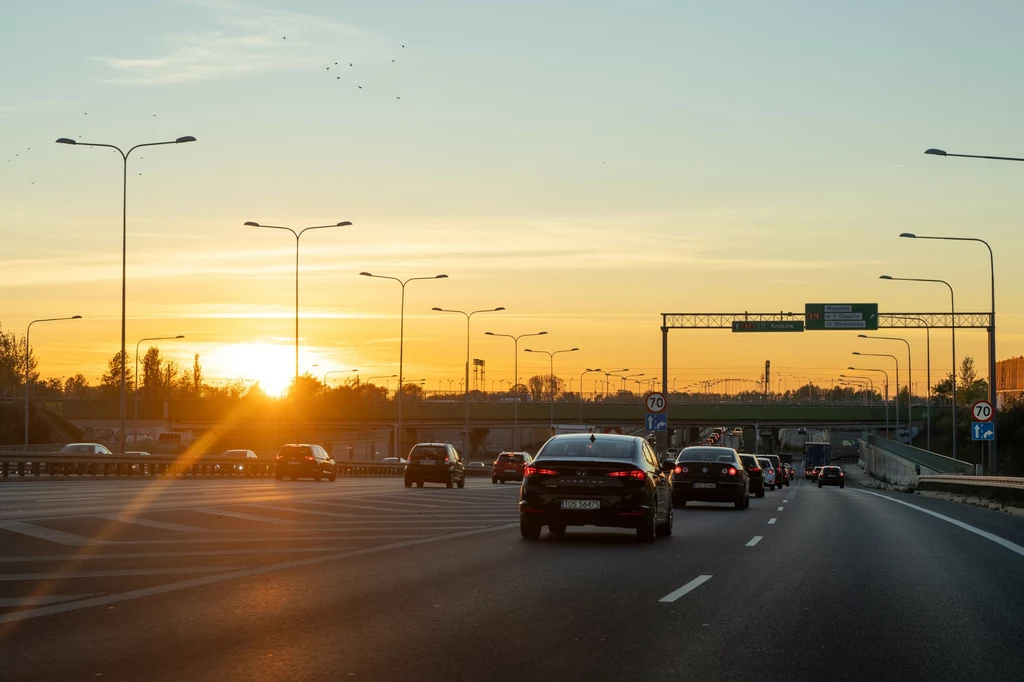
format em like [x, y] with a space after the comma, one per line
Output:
[841, 315]
[768, 325]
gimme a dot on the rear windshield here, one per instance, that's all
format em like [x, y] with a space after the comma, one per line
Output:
[749, 460]
[583, 447]
[428, 452]
[511, 458]
[766, 463]
[288, 450]
[706, 455]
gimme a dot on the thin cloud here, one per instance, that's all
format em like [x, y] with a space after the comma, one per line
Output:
[244, 39]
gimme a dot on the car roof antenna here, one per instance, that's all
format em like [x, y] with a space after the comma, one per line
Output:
[592, 438]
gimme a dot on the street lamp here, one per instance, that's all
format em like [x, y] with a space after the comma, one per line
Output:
[469, 316]
[583, 374]
[939, 152]
[124, 250]
[28, 366]
[401, 348]
[896, 360]
[869, 380]
[886, 401]
[609, 375]
[992, 395]
[910, 378]
[297, 235]
[382, 376]
[337, 371]
[631, 377]
[551, 375]
[151, 338]
[952, 325]
[515, 381]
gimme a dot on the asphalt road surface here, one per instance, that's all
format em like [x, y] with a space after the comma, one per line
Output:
[364, 579]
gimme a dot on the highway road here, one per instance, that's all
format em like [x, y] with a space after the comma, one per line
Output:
[364, 579]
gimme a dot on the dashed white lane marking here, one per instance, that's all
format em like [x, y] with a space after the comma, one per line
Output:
[780, 509]
[1012, 546]
[785, 500]
[149, 523]
[688, 587]
[221, 577]
[756, 539]
[771, 521]
[41, 533]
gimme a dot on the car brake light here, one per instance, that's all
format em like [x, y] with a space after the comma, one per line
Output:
[445, 460]
[841, 473]
[732, 471]
[632, 473]
[310, 458]
[279, 457]
[534, 471]
[755, 468]
[677, 470]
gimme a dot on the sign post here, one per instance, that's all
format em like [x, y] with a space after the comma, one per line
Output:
[841, 316]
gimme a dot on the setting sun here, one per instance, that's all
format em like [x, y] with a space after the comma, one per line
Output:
[272, 365]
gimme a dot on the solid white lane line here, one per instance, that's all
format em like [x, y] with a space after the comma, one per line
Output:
[149, 523]
[771, 522]
[169, 555]
[41, 600]
[41, 533]
[688, 587]
[66, 575]
[780, 509]
[1012, 546]
[66, 499]
[756, 539]
[246, 573]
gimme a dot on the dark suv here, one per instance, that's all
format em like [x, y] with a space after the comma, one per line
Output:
[832, 475]
[781, 474]
[434, 463]
[756, 474]
[304, 460]
[509, 466]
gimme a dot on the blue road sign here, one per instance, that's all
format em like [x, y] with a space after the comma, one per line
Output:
[981, 431]
[657, 421]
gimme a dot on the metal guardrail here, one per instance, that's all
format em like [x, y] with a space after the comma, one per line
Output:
[1001, 489]
[36, 465]
[976, 481]
[925, 458]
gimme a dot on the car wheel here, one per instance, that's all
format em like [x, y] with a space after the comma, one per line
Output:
[665, 529]
[678, 502]
[318, 475]
[647, 531]
[819, 485]
[279, 477]
[529, 528]
[419, 484]
[746, 501]
[462, 481]
[294, 478]
[333, 476]
[494, 481]
[557, 528]
[501, 481]
[450, 483]
[842, 485]
[760, 492]
[738, 504]
[408, 483]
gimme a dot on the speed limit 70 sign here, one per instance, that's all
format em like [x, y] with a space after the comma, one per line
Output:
[655, 402]
[982, 411]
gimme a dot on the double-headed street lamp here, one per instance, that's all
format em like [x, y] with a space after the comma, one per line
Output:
[896, 360]
[952, 325]
[151, 338]
[28, 366]
[551, 374]
[382, 376]
[515, 381]
[401, 348]
[124, 251]
[297, 235]
[469, 315]
[609, 375]
[631, 377]
[886, 401]
[993, 396]
[910, 376]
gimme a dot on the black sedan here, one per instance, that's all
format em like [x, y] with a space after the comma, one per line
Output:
[710, 474]
[832, 475]
[304, 460]
[755, 472]
[596, 480]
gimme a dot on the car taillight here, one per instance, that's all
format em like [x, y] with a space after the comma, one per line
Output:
[841, 473]
[310, 458]
[732, 471]
[534, 471]
[445, 461]
[677, 470]
[632, 473]
[755, 468]
[279, 457]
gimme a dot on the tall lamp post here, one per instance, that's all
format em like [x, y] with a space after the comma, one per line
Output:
[631, 377]
[297, 236]
[401, 348]
[150, 338]
[337, 371]
[469, 315]
[896, 360]
[124, 250]
[992, 394]
[886, 401]
[515, 381]
[910, 377]
[28, 367]
[382, 376]
[952, 325]
[551, 375]
[585, 372]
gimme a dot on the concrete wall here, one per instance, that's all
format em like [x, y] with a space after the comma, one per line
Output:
[889, 468]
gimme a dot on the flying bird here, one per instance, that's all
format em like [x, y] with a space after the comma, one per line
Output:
[360, 87]
[398, 98]
[335, 63]
[392, 61]
[403, 45]
[350, 63]
[338, 77]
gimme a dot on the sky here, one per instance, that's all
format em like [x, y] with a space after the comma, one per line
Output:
[586, 165]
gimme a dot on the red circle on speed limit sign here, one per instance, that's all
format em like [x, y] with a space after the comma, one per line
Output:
[982, 411]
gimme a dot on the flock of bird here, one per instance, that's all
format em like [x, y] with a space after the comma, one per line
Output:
[350, 64]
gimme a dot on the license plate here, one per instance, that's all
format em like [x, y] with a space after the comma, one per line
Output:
[510, 471]
[703, 485]
[427, 461]
[581, 504]
[293, 464]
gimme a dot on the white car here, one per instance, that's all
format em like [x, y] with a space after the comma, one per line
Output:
[769, 472]
[237, 468]
[393, 460]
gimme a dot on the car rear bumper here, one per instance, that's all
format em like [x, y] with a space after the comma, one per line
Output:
[609, 516]
[429, 475]
[301, 470]
[831, 481]
[722, 492]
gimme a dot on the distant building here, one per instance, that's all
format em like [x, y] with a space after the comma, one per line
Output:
[1010, 378]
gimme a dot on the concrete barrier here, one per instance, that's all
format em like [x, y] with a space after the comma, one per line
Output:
[1000, 489]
